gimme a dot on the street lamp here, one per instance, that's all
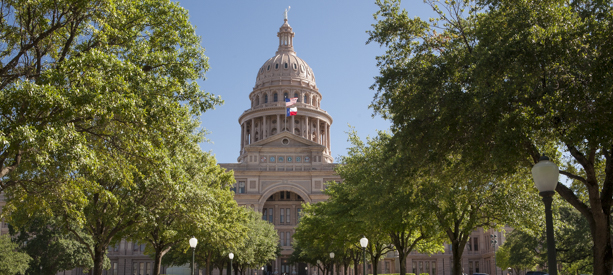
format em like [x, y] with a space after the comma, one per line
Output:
[231, 256]
[545, 174]
[363, 244]
[262, 270]
[306, 270]
[332, 262]
[192, 243]
[494, 242]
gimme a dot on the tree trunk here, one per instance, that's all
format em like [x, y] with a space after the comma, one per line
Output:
[456, 252]
[403, 263]
[603, 255]
[374, 267]
[99, 253]
[157, 261]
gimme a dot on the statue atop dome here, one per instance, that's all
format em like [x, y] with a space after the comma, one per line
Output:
[285, 13]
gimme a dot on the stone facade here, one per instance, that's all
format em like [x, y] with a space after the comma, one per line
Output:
[284, 160]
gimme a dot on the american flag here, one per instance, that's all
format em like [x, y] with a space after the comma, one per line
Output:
[290, 101]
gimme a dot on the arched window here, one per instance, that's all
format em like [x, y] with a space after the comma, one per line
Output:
[266, 98]
[275, 97]
[286, 65]
[305, 100]
[277, 66]
[296, 95]
[285, 95]
[257, 100]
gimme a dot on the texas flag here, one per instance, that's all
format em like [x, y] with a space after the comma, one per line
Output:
[292, 111]
[290, 101]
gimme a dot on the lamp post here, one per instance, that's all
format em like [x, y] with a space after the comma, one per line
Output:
[545, 174]
[332, 262]
[363, 244]
[494, 242]
[306, 270]
[192, 243]
[262, 270]
[231, 256]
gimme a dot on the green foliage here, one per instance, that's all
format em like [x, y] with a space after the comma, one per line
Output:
[200, 188]
[50, 246]
[527, 249]
[12, 261]
[94, 104]
[259, 247]
[488, 86]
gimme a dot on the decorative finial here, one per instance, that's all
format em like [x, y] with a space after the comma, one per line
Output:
[285, 13]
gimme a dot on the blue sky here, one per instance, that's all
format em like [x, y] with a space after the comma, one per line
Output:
[239, 36]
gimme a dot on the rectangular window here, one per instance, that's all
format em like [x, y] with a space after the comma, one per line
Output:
[282, 238]
[288, 216]
[135, 269]
[241, 187]
[136, 246]
[142, 247]
[287, 195]
[427, 268]
[288, 241]
[477, 267]
[298, 214]
[387, 267]
[114, 268]
[141, 271]
[414, 267]
[264, 214]
[434, 268]
[470, 267]
[270, 215]
[282, 195]
[148, 269]
[476, 244]
[281, 212]
[421, 267]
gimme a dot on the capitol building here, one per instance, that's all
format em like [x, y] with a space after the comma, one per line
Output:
[283, 162]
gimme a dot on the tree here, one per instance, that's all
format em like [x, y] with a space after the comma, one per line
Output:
[95, 98]
[260, 246]
[72, 67]
[203, 185]
[49, 245]
[11, 260]
[498, 83]
[521, 251]
[386, 198]
[216, 239]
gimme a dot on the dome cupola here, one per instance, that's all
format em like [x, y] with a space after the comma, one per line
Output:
[285, 67]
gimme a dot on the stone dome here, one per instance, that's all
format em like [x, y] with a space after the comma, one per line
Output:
[285, 66]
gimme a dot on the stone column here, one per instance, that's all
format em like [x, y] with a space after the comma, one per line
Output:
[307, 126]
[242, 137]
[292, 127]
[318, 138]
[329, 143]
[278, 124]
[265, 130]
[326, 135]
[252, 133]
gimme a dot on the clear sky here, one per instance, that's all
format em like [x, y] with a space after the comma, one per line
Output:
[330, 35]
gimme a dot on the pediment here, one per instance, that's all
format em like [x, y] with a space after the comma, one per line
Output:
[284, 140]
